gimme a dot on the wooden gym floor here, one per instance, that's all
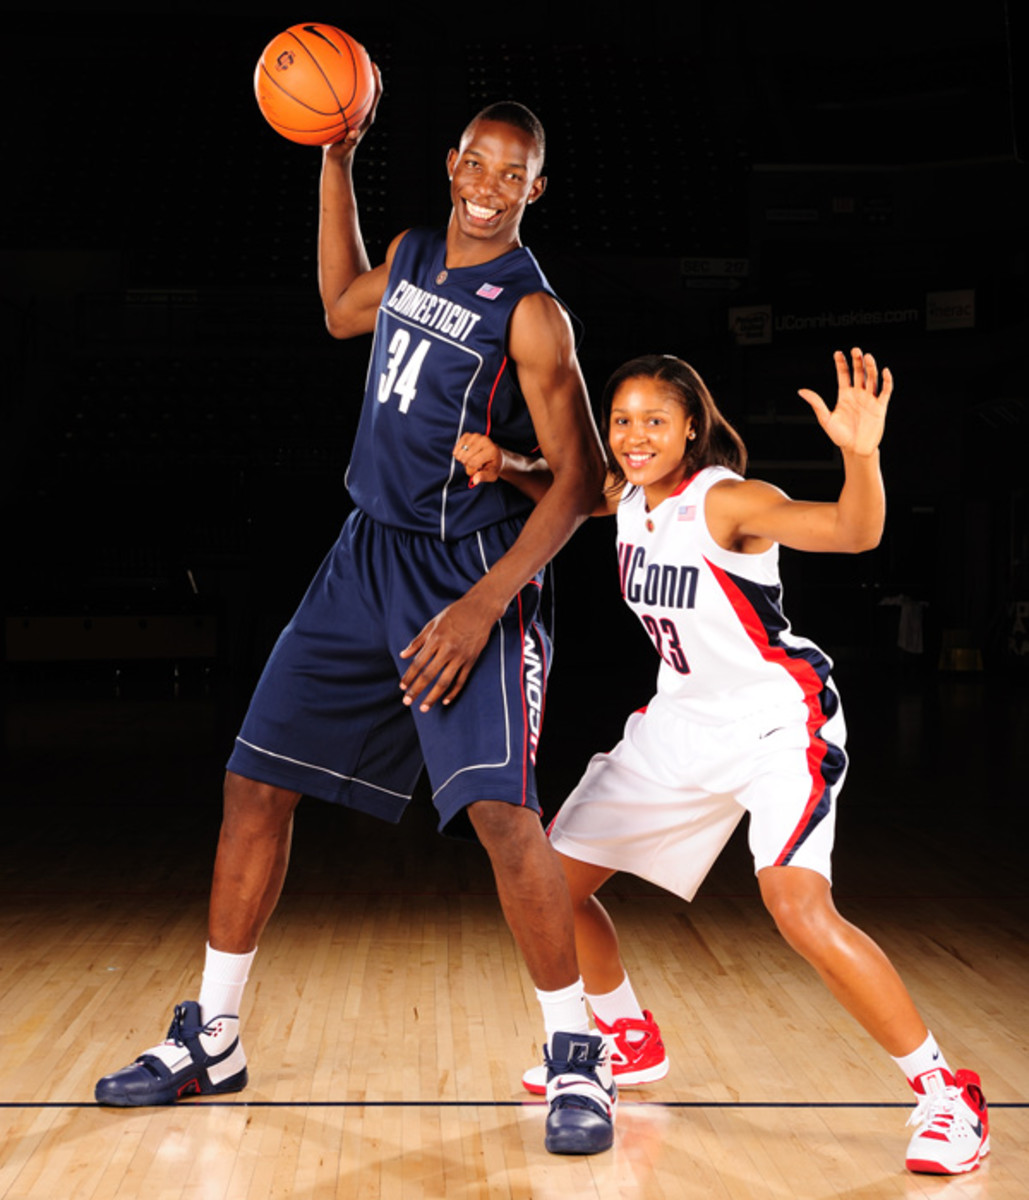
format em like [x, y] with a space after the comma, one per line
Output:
[389, 1019]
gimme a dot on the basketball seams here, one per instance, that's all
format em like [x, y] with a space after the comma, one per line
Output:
[322, 72]
[296, 100]
[278, 123]
[316, 31]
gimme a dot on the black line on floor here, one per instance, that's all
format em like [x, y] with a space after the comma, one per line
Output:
[209, 1103]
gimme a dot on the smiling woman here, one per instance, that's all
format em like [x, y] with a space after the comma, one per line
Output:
[746, 719]
[658, 402]
[649, 432]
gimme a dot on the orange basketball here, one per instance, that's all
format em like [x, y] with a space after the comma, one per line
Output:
[314, 83]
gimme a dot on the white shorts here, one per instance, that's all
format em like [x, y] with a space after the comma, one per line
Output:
[664, 802]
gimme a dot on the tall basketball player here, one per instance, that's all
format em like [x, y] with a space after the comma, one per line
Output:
[372, 679]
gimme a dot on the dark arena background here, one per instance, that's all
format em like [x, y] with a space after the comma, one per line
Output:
[747, 186]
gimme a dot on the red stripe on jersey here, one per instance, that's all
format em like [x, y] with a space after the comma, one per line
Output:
[493, 392]
[807, 679]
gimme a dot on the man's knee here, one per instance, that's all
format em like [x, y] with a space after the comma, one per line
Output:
[506, 830]
[248, 802]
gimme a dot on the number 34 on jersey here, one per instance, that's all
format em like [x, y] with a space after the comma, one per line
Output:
[403, 368]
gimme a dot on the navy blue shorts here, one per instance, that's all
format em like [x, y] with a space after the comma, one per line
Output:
[327, 717]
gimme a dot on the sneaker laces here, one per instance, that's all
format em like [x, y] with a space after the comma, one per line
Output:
[936, 1108]
[178, 1031]
[577, 1066]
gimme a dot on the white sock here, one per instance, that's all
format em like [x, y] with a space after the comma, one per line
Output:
[564, 1011]
[613, 1006]
[928, 1057]
[225, 976]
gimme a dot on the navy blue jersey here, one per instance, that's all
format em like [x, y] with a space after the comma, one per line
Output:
[439, 367]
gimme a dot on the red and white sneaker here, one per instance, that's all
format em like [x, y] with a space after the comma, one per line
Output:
[634, 1061]
[953, 1122]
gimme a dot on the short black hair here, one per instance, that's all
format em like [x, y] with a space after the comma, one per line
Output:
[511, 112]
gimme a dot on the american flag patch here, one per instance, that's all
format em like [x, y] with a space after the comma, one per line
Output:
[686, 512]
[489, 291]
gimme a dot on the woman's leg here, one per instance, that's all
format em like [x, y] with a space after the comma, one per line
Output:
[853, 967]
[596, 941]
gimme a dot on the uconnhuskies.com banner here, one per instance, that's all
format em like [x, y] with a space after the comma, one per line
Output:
[759, 324]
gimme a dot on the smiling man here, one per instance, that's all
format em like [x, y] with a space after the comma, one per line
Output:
[424, 639]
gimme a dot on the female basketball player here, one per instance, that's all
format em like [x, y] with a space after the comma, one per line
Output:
[745, 719]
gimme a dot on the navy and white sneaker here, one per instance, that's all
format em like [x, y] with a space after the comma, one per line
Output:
[196, 1059]
[581, 1094]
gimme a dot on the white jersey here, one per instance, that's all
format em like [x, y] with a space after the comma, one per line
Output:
[714, 615]
[745, 717]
